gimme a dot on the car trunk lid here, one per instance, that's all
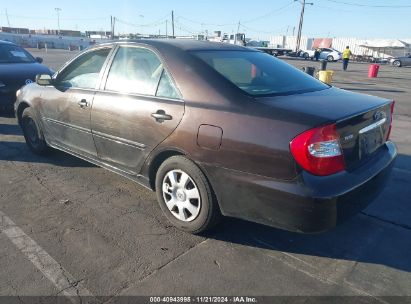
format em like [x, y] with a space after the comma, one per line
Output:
[363, 121]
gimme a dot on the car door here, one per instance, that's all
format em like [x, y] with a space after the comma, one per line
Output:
[324, 53]
[408, 60]
[135, 110]
[65, 106]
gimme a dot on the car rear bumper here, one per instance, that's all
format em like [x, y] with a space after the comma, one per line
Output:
[308, 204]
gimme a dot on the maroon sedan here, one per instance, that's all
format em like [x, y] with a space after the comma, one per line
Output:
[216, 129]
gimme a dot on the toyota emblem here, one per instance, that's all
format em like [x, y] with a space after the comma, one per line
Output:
[28, 81]
[379, 115]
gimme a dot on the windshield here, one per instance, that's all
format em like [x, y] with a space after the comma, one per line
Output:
[260, 74]
[10, 53]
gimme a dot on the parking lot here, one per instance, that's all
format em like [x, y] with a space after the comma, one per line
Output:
[71, 228]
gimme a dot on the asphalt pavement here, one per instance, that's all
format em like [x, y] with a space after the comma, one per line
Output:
[71, 228]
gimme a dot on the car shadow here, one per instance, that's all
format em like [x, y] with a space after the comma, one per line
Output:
[6, 113]
[6, 129]
[375, 236]
[19, 152]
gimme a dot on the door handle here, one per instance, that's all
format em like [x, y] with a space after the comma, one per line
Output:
[83, 103]
[160, 116]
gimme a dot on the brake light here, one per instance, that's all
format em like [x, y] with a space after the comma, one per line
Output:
[318, 151]
[392, 116]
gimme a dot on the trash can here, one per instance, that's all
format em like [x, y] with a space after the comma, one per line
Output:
[373, 70]
[309, 70]
[323, 65]
[326, 76]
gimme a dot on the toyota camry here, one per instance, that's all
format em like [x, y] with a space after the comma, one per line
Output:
[216, 129]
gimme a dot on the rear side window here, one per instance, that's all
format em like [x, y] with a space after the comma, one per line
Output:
[10, 53]
[84, 71]
[166, 87]
[134, 70]
[259, 74]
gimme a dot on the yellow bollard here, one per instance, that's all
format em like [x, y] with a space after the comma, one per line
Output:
[326, 76]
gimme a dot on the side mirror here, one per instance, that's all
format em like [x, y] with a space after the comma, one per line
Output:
[44, 80]
[39, 59]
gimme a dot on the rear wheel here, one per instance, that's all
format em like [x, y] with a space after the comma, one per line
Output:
[397, 63]
[32, 133]
[330, 58]
[306, 56]
[185, 196]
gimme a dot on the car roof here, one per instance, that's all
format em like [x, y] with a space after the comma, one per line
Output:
[182, 44]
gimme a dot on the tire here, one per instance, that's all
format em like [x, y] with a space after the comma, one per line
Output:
[330, 58]
[306, 56]
[32, 132]
[397, 63]
[173, 196]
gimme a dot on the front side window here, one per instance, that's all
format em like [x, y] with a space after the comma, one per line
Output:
[259, 74]
[10, 53]
[134, 70]
[84, 71]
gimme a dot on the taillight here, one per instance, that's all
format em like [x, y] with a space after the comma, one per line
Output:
[318, 151]
[392, 116]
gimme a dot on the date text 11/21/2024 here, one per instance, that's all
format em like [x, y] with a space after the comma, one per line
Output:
[240, 299]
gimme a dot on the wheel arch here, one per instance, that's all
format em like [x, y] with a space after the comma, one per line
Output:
[399, 63]
[19, 113]
[156, 161]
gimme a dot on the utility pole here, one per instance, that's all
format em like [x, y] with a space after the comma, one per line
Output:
[172, 23]
[238, 30]
[167, 28]
[111, 27]
[113, 23]
[58, 10]
[300, 26]
[7, 17]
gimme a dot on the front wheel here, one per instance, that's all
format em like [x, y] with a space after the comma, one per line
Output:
[330, 58]
[306, 56]
[397, 63]
[185, 196]
[32, 133]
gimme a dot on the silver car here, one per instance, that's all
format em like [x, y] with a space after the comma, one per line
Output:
[402, 61]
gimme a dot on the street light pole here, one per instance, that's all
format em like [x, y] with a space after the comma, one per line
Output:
[58, 10]
[142, 25]
[300, 25]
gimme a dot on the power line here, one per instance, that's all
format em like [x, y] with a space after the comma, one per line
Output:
[203, 23]
[269, 13]
[48, 18]
[276, 31]
[369, 5]
[242, 22]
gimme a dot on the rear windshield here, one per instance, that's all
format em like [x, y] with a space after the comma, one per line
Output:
[13, 54]
[260, 74]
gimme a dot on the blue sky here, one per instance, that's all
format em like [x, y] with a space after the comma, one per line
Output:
[258, 18]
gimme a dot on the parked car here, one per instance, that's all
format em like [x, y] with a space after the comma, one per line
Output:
[216, 129]
[325, 54]
[17, 68]
[401, 61]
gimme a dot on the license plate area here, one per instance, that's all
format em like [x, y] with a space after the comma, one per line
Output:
[370, 141]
